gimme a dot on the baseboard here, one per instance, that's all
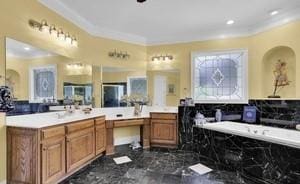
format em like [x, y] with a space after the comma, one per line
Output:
[126, 140]
[3, 182]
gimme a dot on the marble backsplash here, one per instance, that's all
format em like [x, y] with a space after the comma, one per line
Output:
[279, 113]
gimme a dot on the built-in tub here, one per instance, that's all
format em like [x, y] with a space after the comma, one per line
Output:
[265, 133]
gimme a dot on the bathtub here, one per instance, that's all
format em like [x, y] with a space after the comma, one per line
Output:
[265, 133]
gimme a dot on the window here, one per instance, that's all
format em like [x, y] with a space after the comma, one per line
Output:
[137, 86]
[42, 83]
[220, 77]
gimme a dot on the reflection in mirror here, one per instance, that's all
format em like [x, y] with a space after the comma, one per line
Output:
[41, 79]
[164, 87]
[123, 87]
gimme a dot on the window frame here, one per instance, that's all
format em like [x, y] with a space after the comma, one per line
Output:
[31, 83]
[136, 77]
[244, 79]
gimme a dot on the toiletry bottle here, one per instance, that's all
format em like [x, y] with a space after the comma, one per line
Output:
[218, 115]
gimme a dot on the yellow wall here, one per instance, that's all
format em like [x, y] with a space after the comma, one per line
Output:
[112, 77]
[173, 77]
[14, 16]
[258, 45]
[284, 54]
[22, 67]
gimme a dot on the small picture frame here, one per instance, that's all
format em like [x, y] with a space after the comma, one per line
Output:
[171, 89]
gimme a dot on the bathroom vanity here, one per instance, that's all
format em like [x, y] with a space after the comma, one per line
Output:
[43, 148]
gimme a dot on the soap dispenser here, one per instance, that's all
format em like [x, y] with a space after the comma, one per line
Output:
[218, 115]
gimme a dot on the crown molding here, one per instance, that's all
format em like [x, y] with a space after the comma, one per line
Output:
[60, 8]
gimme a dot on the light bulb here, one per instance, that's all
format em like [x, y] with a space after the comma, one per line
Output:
[61, 35]
[74, 42]
[53, 31]
[45, 27]
[68, 38]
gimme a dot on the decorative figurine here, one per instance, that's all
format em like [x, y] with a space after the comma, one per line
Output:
[281, 78]
[6, 99]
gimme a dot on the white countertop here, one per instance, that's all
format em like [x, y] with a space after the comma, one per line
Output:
[51, 119]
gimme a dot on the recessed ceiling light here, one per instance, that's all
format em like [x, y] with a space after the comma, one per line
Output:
[230, 22]
[26, 48]
[275, 12]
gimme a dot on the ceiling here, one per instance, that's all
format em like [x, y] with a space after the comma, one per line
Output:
[22, 50]
[171, 21]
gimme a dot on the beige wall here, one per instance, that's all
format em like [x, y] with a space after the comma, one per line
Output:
[257, 45]
[172, 78]
[112, 77]
[14, 16]
[22, 67]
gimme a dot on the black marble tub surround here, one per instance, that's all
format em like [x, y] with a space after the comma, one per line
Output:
[186, 116]
[259, 161]
[278, 113]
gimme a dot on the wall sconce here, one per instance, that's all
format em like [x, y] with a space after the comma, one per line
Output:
[44, 27]
[162, 58]
[74, 65]
[118, 55]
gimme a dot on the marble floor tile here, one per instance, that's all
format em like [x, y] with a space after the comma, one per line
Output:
[155, 166]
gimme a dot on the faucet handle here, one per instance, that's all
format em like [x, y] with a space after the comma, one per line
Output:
[264, 132]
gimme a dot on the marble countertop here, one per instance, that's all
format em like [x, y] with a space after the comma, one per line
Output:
[51, 119]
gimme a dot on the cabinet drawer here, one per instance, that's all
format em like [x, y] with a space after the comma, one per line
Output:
[100, 121]
[74, 127]
[163, 116]
[53, 132]
[125, 123]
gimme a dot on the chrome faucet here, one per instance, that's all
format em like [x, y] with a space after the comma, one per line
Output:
[264, 132]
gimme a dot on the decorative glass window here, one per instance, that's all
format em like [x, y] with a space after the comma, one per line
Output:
[137, 86]
[220, 77]
[43, 83]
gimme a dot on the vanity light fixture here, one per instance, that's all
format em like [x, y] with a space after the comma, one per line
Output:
[44, 27]
[74, 65]
[118, 54]
[162, 58]
[26, 48]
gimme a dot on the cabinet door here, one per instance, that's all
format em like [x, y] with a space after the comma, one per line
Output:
[100, 138]
[163, 131]
[53, 160]
[80, 148]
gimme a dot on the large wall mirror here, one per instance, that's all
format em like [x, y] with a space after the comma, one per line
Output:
[123, 86]
[164, 87]
[40, 79]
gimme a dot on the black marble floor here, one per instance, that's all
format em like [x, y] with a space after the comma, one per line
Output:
[155, 166]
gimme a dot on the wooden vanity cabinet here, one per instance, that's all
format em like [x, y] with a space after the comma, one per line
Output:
[164, 130]
[48, 155]
[100, 135]
[53, 154]
[80, 144]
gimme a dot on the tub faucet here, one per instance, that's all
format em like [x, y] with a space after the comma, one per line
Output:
[264, 132]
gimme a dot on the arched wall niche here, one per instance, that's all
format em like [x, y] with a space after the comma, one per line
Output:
[270, 59]
[13, 81]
